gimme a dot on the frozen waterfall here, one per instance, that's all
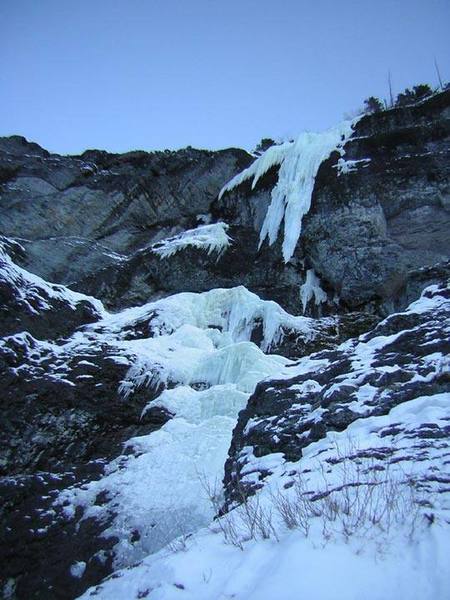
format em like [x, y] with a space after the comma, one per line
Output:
[291, 197]
[198, 352]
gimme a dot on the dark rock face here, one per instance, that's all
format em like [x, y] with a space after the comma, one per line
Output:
[62, 418]
[395, 209]
[145, 275]
[75, 215]
[70, 397]
[40, 545]
[403, 358]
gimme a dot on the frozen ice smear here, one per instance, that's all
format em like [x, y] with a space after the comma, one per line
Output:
[299, 163]
[233, 311]
[199, 355]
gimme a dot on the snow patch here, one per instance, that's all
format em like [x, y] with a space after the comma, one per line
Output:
[77, 569]
[344, 167]
[210, 238]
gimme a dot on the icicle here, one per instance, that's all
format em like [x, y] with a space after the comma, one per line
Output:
[291, 197]
[311, 289]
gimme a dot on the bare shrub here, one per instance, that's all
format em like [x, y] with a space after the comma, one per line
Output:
[366, 499]
[248, 521]
[355, 496]
[179, 544]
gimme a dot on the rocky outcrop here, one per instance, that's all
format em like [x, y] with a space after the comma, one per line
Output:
[405, 357]
[28, 303]
[61, 404]
[45, 554]
[78, 214]
[376, 218]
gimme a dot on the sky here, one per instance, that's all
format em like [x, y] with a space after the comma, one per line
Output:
[153, 74]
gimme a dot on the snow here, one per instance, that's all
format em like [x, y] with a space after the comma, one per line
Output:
[370, 433]
[78, 569]
[158, 489]
[344, 167]
[187, 342]
[403, 558]
[364, 352]
[34, 292]
[210, 238]
[291, 197]
[199, 356]
[236, 311]
[311, 289]
[293, 569]
[428, 301]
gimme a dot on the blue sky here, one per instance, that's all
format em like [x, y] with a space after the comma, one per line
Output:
[128, 74]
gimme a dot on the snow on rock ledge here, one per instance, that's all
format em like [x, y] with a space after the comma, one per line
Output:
[28, 302]
[210, 238]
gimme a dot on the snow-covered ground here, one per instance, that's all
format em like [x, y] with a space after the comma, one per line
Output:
[364, 513]
[293, 568]
[393, 543]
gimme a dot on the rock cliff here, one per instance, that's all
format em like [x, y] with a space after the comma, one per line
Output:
[166, 340]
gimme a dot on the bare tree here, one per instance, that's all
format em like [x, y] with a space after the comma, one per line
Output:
[391, 96]
[438, 74]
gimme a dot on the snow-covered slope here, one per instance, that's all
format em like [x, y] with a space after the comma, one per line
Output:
[29, 302]
[403, 358]
[367, 496]
[206, 568]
